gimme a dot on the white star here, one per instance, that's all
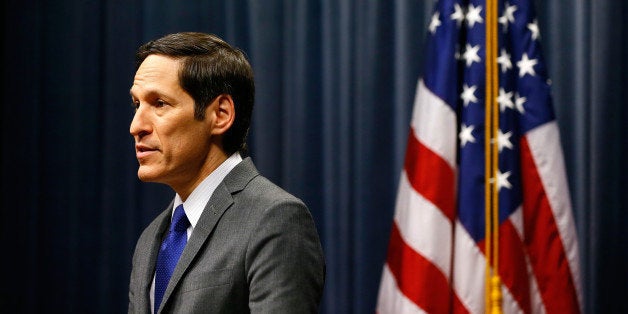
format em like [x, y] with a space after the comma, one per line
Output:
[534, 29]
[502, 180]
[435, 23]
[467, 95]
[526, 66]
[503, 140]
[508, 15]
[458, 14]
[473, 15]
[503, 20]
[504, 61]
[509, 12]
[519, 101]
[505, 100]
[466, 135]
[471, 54]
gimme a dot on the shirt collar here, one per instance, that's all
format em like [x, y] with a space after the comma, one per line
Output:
[195, 203]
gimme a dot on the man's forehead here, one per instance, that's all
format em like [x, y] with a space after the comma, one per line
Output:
[158, 65]
[156, 69]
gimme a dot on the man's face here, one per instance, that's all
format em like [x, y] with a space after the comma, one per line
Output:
[171, 146]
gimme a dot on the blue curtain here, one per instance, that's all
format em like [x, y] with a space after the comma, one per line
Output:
[335, 85]
[587, 49]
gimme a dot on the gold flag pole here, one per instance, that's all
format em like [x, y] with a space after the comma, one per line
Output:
[493, 282]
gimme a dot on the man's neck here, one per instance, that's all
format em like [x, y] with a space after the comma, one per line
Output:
[213, 161]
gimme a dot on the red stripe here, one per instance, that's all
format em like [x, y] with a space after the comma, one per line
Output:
[418, 279]
[458, 307]
[543, 242]
[512, 265]
[431, 176]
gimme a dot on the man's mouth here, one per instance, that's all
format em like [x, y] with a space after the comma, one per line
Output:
[142, 151]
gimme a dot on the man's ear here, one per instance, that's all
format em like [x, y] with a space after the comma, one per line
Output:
[222, 111]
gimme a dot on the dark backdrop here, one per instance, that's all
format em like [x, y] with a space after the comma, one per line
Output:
[335, 84]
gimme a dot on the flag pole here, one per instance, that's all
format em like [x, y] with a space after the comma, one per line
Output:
[493, 282]
[488, 168]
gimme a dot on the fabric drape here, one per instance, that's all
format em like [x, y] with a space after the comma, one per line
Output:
[335, 86]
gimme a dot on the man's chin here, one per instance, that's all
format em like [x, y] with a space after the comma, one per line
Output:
[147, 176]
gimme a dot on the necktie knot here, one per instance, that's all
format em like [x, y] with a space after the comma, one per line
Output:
[180, 221]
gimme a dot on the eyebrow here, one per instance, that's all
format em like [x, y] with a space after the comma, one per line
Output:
[151, 92]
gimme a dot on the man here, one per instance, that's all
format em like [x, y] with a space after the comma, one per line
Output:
[238, 243]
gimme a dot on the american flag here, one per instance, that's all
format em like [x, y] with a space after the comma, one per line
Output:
[436, 260]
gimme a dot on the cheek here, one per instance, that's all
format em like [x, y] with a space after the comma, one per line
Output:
[191, 143]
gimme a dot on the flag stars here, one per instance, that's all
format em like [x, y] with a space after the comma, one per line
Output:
[468, 94]
[503, 20]
[458, 15]
[435, 23]
[457, 52]
[502, 180]
[509, 15]
[519, 102]
[505, 100]
[504, 61]
[471, 54]
[503, 140]
[466, 134]
[509, 12]
[526, 65]
[473, 15]
[534, 29]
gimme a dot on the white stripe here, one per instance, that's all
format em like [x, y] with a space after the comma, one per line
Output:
[423, 226]
[469, 276]
[516, 219]
[509, 304]
[469, 269]
[434, 124]
[390, 300]
[544, 142]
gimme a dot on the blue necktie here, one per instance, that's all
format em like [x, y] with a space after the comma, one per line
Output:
[170, 252]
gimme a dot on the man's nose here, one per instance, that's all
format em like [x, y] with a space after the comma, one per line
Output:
[140, 125]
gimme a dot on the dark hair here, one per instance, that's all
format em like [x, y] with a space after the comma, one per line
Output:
[210, 67]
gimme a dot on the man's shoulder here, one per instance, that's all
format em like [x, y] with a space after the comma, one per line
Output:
[255, 185]
[264, 190]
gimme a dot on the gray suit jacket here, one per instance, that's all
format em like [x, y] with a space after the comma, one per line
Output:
[254, 249]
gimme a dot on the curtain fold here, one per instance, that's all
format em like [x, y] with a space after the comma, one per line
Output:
[335, 84]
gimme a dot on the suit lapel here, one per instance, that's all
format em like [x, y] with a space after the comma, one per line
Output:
[219, 202]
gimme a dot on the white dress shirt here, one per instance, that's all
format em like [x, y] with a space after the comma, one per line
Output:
[195, 203]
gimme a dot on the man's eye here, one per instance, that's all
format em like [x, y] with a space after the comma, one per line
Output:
[135, 105]
[160, 103]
